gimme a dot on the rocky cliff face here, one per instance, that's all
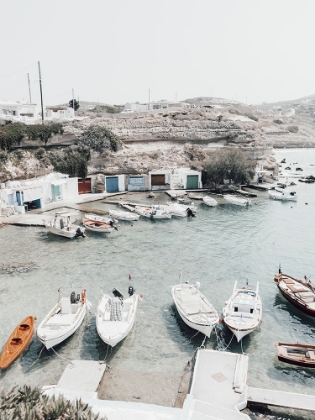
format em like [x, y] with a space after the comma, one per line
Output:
[181, 137]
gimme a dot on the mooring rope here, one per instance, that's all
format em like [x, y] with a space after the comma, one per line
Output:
[65, 358]
[37, 358]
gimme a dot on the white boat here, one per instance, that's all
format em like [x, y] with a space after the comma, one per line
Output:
[97, 218]
[123, 215]
[61, 225]
[282, 194]
[63, 320]
[180, 210]
[238, 201]
[187, 201]
[116, 316]
[194, 308]
[209, 201]
[153, 212]
[242, 312]
[97, 226]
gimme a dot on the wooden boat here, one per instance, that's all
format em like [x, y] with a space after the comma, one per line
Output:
[209, 201]
[282, 194]
[17, 342]
[242, 312]
[123, 215]
[63, 320]
[62, 225]
[301, 293]
[116, 316]
[238, 201]
[91, 216]
[296, 354]
[97, 226]
[177, 210]
[194, 308]
[153, 212]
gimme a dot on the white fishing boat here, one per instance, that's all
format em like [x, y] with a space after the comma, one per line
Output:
[242, 312]
[194, 308]
[238, 201]
[61, 224]
[116, 316]
[63, 320]
[153, 212]
[209, 201]
[282, 194]
[123, 215]
[97, 226]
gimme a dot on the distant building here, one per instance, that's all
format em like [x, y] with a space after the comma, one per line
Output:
[32, 113]
[151, 106]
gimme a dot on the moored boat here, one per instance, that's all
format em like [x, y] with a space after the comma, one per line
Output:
[209, 201]
[123, 215]
[116, 316]
[296, 354]
[238, 201]
[194, 308]
[97, 218]
[97, 226]
[301, 293]
[153, 212]
[17, 342]
[62, 225]
[63, 319]
[242, 312]
[282, 194]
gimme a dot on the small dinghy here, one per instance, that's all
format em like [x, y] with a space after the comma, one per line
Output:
[116, 316]
[194, 308]
[123, 215]
[238, 201]
[242, 312]
[97, 226]
[91, 216]
[63, 320]
[209, 201]
[17, 342]
[296, 354]
[154, 212]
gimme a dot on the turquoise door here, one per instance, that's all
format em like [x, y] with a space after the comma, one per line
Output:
[192, 181]
[112, 184]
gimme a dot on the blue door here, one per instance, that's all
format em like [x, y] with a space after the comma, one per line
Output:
[112, 184]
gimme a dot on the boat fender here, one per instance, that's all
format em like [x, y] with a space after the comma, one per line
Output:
[72, 297]
[83, 295]
[130, 291]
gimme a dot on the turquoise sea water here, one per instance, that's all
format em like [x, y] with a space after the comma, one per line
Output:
[216, 248]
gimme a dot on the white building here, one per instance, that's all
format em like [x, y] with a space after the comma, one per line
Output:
[174, 178]
[21, 196]
[151, 106]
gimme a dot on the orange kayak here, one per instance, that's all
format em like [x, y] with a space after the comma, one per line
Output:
[17, 341]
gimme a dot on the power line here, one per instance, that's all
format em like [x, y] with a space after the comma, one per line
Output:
[16, 71]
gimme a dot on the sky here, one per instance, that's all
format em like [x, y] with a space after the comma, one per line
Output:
[120, 51]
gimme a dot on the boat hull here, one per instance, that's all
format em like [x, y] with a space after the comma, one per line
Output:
[203, 317]
[295, 298]
[52, 332]
[129, 217]
[210, 202]
[242, 312]
[296, 354]
[112, 332]
[17, 342]
[238, 201]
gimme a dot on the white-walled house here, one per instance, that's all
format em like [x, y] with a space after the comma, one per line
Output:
[21, 196]
[174, 178]
[151, 106]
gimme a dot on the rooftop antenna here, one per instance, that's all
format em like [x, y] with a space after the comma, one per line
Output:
[41, 93]
[29, 87]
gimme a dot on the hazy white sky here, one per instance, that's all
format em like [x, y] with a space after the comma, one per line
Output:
[114, 51]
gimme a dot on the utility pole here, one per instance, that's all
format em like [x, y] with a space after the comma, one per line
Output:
[41, 93]
[73, 101]
[29, 87]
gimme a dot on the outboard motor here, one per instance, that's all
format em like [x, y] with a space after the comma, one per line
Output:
[190, 213]
[72, 297]
[79, 233]
[117, 293]
[130, 291]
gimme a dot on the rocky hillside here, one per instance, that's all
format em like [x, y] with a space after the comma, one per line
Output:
[183, 137]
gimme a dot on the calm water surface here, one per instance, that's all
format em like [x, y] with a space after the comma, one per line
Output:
[217, 247]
